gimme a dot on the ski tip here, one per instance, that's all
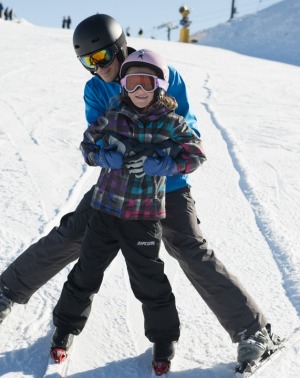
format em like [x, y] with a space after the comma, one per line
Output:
[161, 367]
[58, 355]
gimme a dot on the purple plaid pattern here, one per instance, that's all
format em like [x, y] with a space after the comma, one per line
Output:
[122, 194]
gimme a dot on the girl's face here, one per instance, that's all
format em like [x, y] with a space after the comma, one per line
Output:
[140, 98]
[109, 73]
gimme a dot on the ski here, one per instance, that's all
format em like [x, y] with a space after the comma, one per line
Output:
[160, 368]
[250, 369]
[55, 369]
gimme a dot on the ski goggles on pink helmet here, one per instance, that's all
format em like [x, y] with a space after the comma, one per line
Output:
[147, 82]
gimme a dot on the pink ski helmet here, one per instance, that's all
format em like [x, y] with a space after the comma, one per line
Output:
[146, 58]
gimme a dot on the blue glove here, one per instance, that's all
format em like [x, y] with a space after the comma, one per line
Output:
[106, 158]
[160, 166]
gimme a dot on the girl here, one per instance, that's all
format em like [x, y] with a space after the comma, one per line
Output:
[138, 144]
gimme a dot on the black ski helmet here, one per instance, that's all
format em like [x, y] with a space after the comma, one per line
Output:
[98, 32]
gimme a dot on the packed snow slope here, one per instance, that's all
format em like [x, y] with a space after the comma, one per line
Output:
[247, 196]
[273, 33]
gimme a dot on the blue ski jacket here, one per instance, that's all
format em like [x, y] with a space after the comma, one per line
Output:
[99, 96]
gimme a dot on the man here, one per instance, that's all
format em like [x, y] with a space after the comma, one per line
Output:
[100, 45]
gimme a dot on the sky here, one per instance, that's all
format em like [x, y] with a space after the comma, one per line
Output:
[247, 198]
[136, 14]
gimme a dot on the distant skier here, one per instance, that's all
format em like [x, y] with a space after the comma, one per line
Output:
[68, 22]
[64, 21]
[6, 12]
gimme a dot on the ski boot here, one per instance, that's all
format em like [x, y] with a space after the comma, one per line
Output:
[60, 345]
[256, 348]
[163, 352]
[5, 306]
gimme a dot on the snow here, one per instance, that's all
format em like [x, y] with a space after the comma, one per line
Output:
[247, 194]
[265, 34]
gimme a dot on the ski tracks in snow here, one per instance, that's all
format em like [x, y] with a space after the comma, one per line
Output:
[16, 175]
[25, 175]
[277, 242]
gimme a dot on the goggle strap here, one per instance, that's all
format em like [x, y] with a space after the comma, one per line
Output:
[162, 84]
[159, 82]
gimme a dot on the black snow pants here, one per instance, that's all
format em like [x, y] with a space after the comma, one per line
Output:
[140, 244]
[223, 293]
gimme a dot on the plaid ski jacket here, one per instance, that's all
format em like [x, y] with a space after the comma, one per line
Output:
[122, 194]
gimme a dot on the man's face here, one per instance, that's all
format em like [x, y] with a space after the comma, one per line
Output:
[109, 73]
